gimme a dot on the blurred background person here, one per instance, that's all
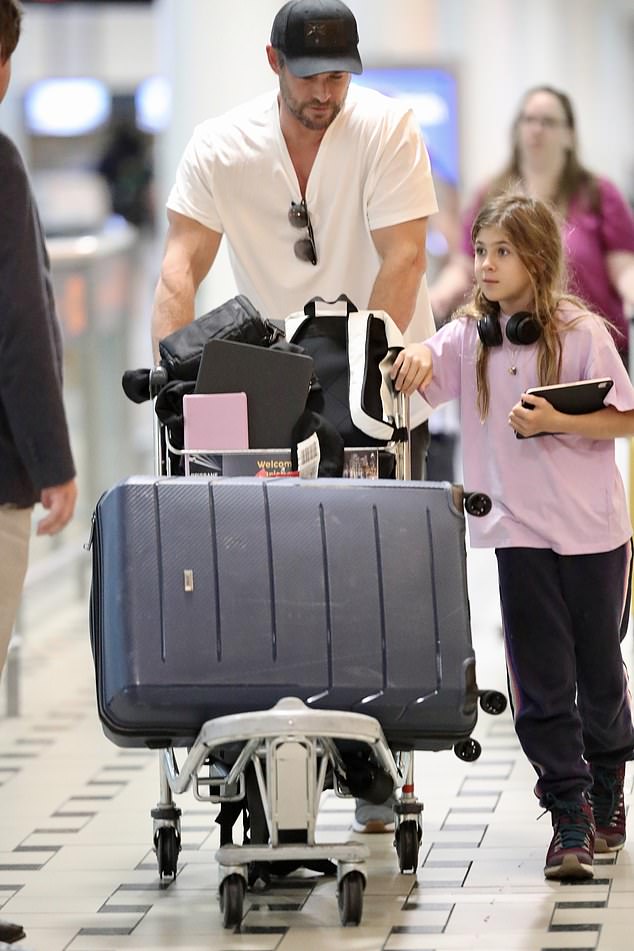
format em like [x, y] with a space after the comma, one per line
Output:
[597, 222]
[126, 165]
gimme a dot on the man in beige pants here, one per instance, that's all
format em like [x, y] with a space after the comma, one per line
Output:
[36, 463]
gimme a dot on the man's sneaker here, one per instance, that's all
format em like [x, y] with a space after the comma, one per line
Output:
[372, 826]
[608, 806]
[10, 933]
[370, 818]
[572, 848]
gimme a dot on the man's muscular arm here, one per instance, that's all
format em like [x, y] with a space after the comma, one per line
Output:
[403, 262]
[190, 251]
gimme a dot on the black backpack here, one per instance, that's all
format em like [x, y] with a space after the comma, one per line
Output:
[353, 352]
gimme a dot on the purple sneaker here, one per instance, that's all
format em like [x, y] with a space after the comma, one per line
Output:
[572, 847]
[608, 806]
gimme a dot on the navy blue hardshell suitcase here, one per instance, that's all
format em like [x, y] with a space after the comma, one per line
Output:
[219, 596]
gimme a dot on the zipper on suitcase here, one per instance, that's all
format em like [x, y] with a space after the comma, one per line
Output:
[91, 534]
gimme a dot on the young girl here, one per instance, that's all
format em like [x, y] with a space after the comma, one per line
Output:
[559, 521]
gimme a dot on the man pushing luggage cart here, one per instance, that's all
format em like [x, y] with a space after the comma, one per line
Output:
[288, 630]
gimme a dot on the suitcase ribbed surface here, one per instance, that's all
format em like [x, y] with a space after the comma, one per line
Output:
[216, 596]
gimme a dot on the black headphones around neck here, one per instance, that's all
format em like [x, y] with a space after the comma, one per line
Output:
[521, 328]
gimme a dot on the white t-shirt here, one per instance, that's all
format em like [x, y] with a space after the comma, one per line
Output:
[371, 171]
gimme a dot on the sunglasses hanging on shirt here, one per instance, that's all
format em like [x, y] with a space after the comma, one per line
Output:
[305, 248]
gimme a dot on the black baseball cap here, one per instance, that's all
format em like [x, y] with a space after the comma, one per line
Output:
[317, 36]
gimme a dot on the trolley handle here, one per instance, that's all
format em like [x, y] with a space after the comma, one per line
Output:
[158, 378]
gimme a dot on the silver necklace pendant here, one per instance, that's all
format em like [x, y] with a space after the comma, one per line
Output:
[513, 371]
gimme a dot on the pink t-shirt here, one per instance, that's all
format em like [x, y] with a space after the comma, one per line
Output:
[587, 237]
[561, 492]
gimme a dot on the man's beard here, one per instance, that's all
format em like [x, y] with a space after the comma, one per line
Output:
[299, 109]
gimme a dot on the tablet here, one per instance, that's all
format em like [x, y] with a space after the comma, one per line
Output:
[276, 383]
[582, 396]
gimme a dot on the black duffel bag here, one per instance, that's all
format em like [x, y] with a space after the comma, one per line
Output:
[237, 319]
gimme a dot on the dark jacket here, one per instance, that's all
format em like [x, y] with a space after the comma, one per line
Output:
[34, 442]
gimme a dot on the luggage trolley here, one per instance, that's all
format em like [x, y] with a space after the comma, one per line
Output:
[294, 749]
[297, 746]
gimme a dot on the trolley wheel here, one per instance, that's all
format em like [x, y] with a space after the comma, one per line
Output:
[493, 702]
[407, 841]
[350, 898]
[477, 503]
[167, 846]
[467, 750]
[232, 892]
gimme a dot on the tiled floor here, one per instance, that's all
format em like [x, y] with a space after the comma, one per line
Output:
[78, 871]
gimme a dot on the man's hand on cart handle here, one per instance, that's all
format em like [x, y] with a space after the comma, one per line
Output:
[412, 369]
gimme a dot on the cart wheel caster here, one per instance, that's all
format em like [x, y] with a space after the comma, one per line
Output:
[467, 750]
[350, 898]
[493, 702]
[477, 504]
[167, 846]
[407, 841]
[232, 891]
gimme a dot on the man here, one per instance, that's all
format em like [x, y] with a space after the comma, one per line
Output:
[320, 187]
[36, 462]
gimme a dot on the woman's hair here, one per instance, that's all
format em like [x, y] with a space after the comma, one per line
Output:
[10, 20]
[532, 229]
[575, 180]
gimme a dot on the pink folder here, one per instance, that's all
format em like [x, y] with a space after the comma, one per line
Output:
[216, 421]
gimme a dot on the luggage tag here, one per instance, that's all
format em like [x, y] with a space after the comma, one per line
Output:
[308, 457]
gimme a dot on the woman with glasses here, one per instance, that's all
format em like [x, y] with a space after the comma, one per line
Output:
[597, 223]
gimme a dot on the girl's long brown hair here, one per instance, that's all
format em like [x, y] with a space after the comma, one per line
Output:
[532, 229]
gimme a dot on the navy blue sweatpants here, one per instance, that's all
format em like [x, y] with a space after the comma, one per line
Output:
[564, 617]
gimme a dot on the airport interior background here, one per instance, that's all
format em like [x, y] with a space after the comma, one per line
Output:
[104, 96]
